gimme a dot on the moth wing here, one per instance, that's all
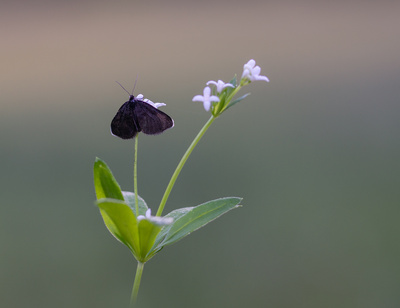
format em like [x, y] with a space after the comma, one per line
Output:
[151, 120]
[124, 123]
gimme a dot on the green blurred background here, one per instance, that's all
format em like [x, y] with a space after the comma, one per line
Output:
[314, 153]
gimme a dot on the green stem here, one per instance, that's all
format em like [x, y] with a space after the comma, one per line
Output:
[182, 163]
[136, 284]
[234, 92]
[135, 177]
[229, 98]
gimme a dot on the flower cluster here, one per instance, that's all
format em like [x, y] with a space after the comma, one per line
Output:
[220, 98]
[251, 72]
[146, 100]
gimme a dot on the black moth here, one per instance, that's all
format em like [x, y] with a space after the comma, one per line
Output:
[136, 116]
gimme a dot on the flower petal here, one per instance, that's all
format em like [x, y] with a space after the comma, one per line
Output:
[220, 85]
[249, 65]
[265, 78]
[206, 92]
[161, 221]
[198, 98]
[207, 105]
[214, 98]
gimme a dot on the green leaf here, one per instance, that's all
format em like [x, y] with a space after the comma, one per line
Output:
[129, 198]
[121, 222]
[147, 234]
[104, 182]
[233, 82]
[175, 214]
[229, 90]
[197, 217]
[218, 106]
[237, 100]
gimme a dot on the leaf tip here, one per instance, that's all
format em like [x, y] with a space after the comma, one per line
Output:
[98, 161]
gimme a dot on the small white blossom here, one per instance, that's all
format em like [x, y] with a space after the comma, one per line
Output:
[220, 85]
[155, 105]
[206, 98]
[161, 221]
[146, 100]
[252, 72]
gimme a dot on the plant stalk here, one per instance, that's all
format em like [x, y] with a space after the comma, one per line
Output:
[182, 163]
[136, 284]
[135, 176]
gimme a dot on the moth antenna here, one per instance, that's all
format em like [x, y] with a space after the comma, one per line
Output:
[135, 83]
[124, 88]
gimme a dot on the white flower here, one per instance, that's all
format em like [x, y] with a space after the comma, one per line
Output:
[146, 100]
[220, 85]
[252, 72]
[155, 105]
[161, 221]
[206, 98]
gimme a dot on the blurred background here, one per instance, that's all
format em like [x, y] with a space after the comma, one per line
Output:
[314, 153]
